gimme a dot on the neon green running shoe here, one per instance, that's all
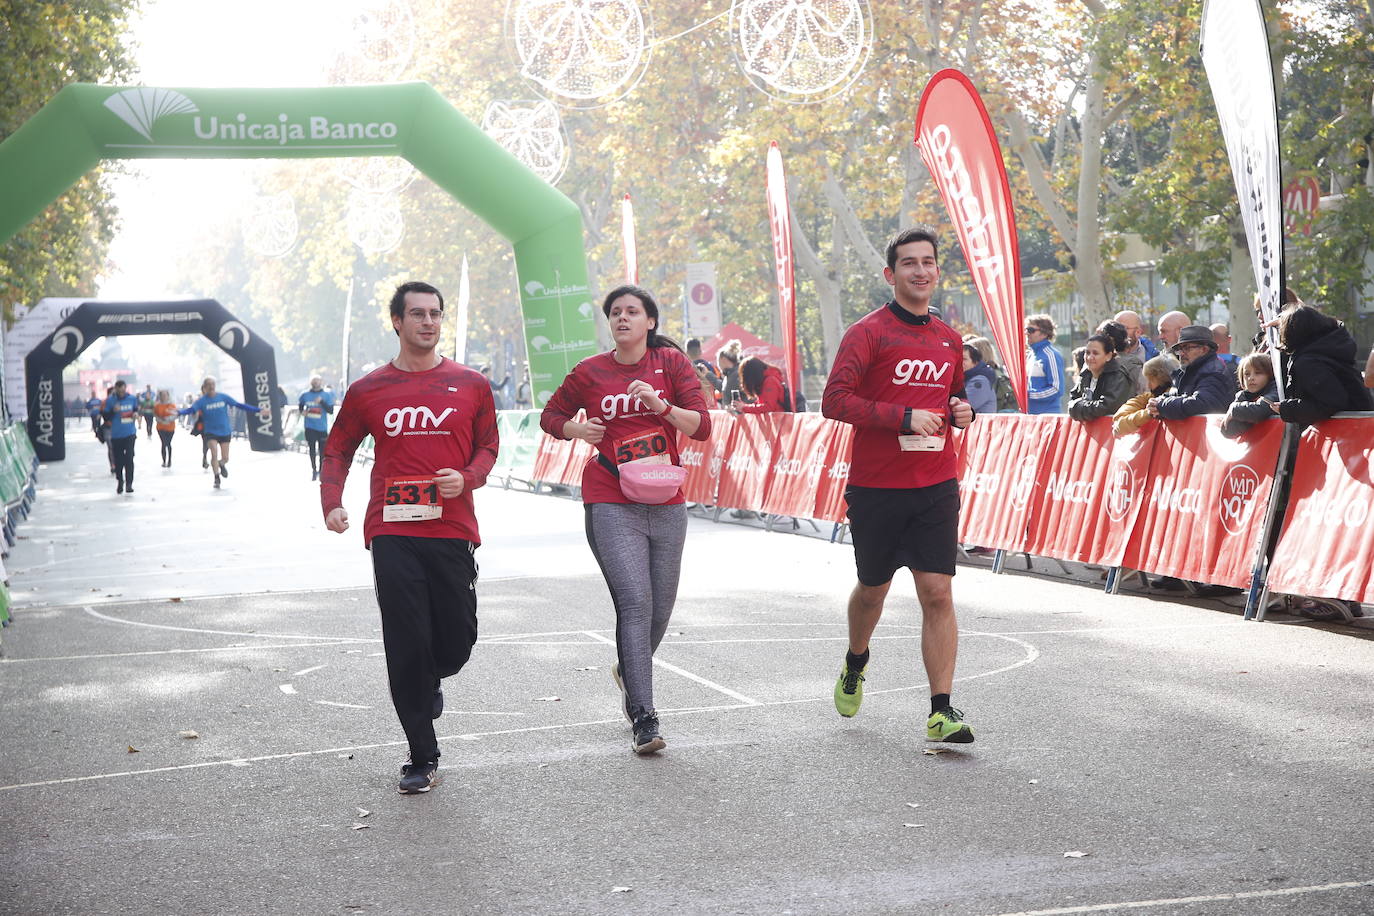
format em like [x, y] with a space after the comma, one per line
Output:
[948, 725]
[849, 691]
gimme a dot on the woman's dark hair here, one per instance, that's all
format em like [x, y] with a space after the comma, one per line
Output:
[973, 355]
[1299, 325]
[1116, 332]
[751, 373]
[1106, 340]
[646, 299]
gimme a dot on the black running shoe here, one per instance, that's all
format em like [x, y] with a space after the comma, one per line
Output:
[129, 488]
[224, 469]
[647, 740]
[119, 486]
[438, 701]
[216, 481]
[418, 777]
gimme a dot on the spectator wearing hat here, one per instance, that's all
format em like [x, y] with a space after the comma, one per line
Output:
[1044, 367]
[1201, 384]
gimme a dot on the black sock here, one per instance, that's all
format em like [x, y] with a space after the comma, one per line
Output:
[856, 662]
[938, 702]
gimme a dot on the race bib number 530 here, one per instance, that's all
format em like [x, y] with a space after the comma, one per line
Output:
[648, 446]
[411, 499]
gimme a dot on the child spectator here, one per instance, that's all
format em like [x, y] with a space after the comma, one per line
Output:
[1134, 414]
[1255, 400]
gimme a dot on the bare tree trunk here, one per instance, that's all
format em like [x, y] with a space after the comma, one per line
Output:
[1089, 273]
[828, 290]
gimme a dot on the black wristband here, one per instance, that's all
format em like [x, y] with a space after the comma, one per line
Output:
[906, 422]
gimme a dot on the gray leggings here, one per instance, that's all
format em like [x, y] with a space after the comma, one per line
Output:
[639, 550]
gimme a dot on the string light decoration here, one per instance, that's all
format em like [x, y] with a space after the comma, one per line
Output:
[531, 131]
[587, 52]
[270, 226]
[802, 50]
[374, 221]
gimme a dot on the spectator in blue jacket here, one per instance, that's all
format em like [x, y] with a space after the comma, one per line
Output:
[1202, 383]
[1044, 367]
[980, 381]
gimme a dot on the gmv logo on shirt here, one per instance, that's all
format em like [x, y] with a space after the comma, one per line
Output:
[413, 420]
[622, 405]
[912, 371]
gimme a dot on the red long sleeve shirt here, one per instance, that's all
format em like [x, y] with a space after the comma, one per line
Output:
[419, 422]
[597, 385]
[885, 364]
[770, 396]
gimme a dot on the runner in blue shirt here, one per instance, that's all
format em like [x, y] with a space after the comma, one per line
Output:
[316, 405]
[121, 409]
[93, 407]
[218, 430]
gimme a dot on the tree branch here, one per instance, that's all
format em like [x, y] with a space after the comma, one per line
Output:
[849, 220]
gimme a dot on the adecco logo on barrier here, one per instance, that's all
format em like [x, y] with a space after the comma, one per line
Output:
[1326, 511]
[1120, 490]
[1024, 483]
[1238, 489]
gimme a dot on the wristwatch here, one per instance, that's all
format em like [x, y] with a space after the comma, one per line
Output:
[906, 422]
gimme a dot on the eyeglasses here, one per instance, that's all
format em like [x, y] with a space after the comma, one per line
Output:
[1033, 331]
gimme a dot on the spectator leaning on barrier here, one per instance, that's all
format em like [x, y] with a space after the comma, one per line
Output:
[1322, 379]
[728, 360]
[980, 381]
[1134, 414]
[1044, 367]
[1255, 400]
[1202, 386]
[1104, 385]
[763, 385]
[1133, 361]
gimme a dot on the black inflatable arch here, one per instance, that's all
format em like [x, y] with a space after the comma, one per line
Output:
[94, 320]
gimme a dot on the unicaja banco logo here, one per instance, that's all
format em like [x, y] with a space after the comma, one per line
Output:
[142, 108]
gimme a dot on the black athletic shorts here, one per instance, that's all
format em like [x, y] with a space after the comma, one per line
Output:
[222, 440]
[917, 528]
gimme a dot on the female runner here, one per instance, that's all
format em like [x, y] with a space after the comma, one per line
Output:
[637, 397]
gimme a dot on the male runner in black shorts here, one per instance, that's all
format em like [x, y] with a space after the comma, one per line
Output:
[898, 379]
[434, 425]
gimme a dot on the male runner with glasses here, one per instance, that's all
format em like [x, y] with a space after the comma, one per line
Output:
[434, 425]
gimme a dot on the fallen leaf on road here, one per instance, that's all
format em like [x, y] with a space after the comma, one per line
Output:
[188, 734]
[361, 826]
[345, 756]
[913, 804]
[913, 825]
[932, 751]
[175, 600]
[550, 699]
[620, 890]
[1035, 782]
[588, 668]
[363, 812]
[133, 750]
[1075, 854]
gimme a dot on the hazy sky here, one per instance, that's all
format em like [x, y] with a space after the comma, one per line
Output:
[200, 43]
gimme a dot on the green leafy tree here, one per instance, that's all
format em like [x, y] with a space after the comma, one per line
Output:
[47, 45]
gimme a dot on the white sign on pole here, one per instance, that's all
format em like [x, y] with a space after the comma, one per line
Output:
[27, 333]
[703, 301]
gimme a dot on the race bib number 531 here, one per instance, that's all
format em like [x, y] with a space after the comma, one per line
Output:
[411, 499]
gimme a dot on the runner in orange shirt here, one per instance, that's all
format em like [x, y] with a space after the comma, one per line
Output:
[165, 418]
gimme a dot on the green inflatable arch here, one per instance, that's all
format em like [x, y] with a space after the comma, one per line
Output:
[86, 123]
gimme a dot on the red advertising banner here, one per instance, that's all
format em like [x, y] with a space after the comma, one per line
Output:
[1204, 503]
[1093, 493]
[703, 459]
[830, 484]
[958, 145]
[800, 458]
[1328, 534]
[780, 221]
[748, 460]
[1005, 468]
[560, 461]
[627, 239]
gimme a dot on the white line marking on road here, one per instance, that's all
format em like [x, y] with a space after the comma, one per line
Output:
[287, 689]
[162, 626]
[73, 658]
[1204, 898]
[719, 688]
[309, 670]
[342, 705]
